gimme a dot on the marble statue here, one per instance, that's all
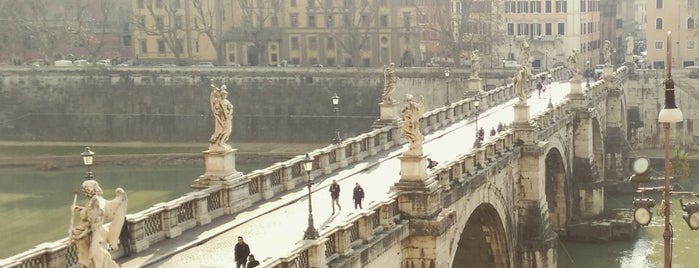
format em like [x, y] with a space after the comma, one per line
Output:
[573, 63]
[629, 44]
[223, 118]
[475, 63]
[525, 52]
[389, 83]
[519, 81]
[412, 112]
[90, 236]
[607, 53]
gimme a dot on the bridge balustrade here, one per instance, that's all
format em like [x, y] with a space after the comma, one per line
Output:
[170, 219]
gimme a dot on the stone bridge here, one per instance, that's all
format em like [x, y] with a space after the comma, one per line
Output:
[503, 204]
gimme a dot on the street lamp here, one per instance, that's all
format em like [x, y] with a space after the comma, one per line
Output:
[546, 54]
[446, 75]
[476, 103]
[588, 73]
[548, 76]
[311, 232]
[336, 100]
[669, 114]
[504, 80]
[88, 157]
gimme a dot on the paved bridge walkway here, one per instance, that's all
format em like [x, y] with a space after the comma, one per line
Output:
[272, 229]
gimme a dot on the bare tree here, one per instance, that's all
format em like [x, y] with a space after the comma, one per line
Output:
[260, 25]
[168, 24]
[457, 27]
[208, 23]
[91, 31]
[358, 21]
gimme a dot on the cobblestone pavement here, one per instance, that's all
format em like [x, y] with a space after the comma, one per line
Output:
[274, 235]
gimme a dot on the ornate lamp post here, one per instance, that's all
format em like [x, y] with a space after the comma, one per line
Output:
[476, 103]
[311, 232]
[546, 59]
[504, 79]
[548, 77]
[335, 101]
[446, 75]
[88, 156]
[669, 114]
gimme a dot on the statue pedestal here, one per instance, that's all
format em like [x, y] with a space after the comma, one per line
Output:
[575, 86]
[473, 86]
[388, 114]
[521, 113]
[220, 167]
[413, 168]
[628, 58]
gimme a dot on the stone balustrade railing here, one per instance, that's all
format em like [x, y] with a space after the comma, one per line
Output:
[170, 219]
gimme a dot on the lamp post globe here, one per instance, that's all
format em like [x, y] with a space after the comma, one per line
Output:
[311, 232]
[446, 75]
[335, 99]
[88, 158]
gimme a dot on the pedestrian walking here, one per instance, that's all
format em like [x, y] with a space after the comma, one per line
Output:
[539, 87]
[500, 127]
[252, 262]
[493, 132]
[358, 195]
[431, 163]
[335, 195]
[241, 251]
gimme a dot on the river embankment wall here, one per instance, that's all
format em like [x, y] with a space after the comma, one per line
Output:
[172, 104]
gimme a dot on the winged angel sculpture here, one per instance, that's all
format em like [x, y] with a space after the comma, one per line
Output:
[90, 235]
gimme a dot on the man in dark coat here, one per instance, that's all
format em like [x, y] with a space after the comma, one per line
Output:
[358, 196]
[335, 195]
[242, 250]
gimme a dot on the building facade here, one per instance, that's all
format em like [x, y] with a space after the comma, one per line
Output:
[553, 28]
[676, 16]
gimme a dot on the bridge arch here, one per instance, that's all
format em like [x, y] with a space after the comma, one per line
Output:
[556, 188]
[483, 241]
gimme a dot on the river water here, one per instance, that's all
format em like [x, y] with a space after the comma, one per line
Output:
[35, 208]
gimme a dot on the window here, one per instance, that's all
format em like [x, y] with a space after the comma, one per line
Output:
[547, 29]
[161, 46]
[659, 45]
[364, 20]
[175, 4]
[659, 23]
[535, 6]
[561, 6]
[406, 19]
[159, 3]
[690, 44]
[522, 7]
[294, 19]
[346, 20]
[330, 43]
[331, 62]
[548, 6]
[126, 40]
[159, 23]
[582, 6]
[178, 22]
[659, 65]
[536, 29]
[690, 23]
[180, 46]
[292, 3]
[658, 3]
[511, 7]
[141, 21]
[311, 3]
[329, 21]
[561, 28]
[295, 43]
[311, 21]
[312, 43]
[384, 21]
[140, 3]
[510, 29]
[143, 44]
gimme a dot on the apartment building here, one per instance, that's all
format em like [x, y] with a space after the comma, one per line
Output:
[553, 28]
[676, 16]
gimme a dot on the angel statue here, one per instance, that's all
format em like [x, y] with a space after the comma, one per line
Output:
[525, 52]
[519, 81]
[629, 44]
[90, 236]
[411, 125]
[573, 63]
[223, 118]
[607, 53]
[475, 63]
[389, 83]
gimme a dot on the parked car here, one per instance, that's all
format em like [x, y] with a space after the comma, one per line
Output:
[81, 63]
[63, 63]
[125, 63]
[103, 63]
[204, 64]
